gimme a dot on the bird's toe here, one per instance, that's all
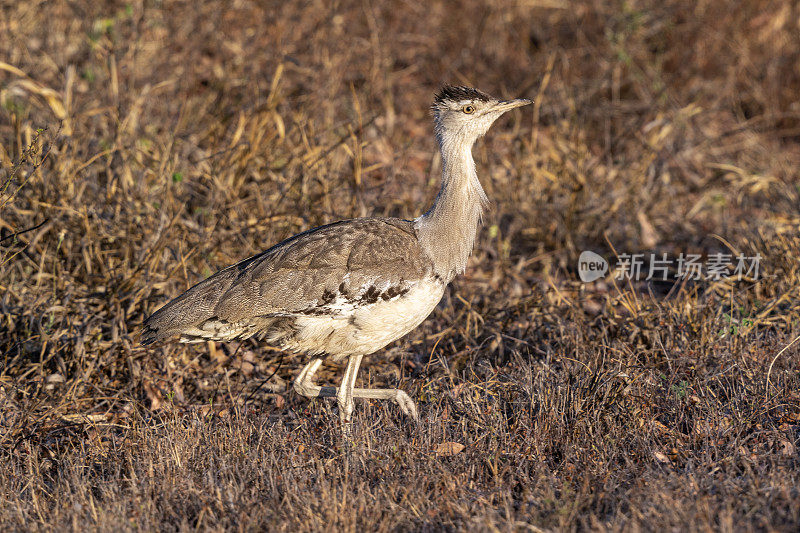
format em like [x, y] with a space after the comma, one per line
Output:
[406, 404]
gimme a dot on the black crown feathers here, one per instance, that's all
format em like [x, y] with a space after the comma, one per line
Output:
[456, 93]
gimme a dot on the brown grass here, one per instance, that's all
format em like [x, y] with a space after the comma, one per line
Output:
[145, 146]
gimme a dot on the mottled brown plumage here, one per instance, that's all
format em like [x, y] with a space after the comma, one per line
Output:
[317, 272]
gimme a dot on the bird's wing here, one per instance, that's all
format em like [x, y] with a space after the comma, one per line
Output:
[321, 271]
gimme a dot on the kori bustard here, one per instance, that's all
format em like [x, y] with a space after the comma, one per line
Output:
[347, 289]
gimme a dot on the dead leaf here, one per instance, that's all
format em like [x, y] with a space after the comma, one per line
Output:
[280, 402]
[154, 395]
[12, 69]
[787, 448]
[52, 97]
[446, 449]
[660, 457]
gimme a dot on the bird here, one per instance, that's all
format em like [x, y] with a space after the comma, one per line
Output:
[345, 290]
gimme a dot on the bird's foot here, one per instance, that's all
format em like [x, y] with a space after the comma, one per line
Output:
[406, 404]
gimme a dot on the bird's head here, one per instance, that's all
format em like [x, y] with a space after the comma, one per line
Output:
[462, 114]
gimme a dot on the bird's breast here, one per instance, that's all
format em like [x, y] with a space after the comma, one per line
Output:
[369, 326]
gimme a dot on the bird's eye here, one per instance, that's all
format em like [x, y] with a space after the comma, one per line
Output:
[468, 109]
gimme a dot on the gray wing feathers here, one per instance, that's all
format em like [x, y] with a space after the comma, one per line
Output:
[297, 276]
[193, 307]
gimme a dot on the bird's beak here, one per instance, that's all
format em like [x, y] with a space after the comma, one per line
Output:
[510, 104]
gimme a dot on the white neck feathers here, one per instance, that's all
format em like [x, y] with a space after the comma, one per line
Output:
[447, 231]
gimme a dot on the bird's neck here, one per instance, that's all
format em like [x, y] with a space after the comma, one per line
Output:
[447, 231]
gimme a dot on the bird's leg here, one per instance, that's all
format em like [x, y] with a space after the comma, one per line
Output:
[345, 394]
[304, 386]
[403, 400]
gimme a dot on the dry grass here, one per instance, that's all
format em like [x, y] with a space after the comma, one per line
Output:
[144, 147]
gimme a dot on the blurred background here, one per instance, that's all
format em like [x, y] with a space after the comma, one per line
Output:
[145, 145]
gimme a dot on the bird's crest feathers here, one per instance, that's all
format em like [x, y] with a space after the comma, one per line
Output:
[455, 93]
